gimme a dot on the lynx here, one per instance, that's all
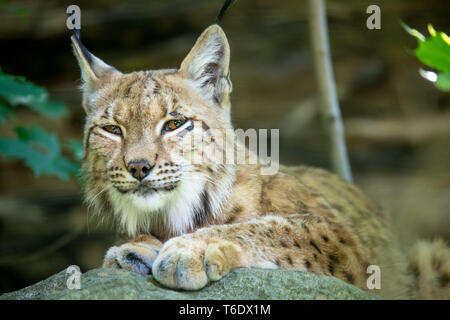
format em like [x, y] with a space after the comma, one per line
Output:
[191, 223]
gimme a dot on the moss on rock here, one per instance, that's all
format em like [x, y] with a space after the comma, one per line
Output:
[240, 284]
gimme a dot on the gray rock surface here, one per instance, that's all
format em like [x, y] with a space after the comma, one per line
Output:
[240, 284]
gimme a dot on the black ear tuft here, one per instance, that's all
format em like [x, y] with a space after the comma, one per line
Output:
[85, 52]
[94, 71]
[222, 11]
[76, 33]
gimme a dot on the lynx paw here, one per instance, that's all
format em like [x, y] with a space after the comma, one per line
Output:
[190, 264]
[136, 257]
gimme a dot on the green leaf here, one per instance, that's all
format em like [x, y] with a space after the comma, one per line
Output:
[50, 109]
[433, 51]
[37, 148]
[18, 91]
[443, 81]
[40, 151]
[5, 112]
[76, 147]
[46, 141]
[20, 12]
[64, 167]
[413, 32]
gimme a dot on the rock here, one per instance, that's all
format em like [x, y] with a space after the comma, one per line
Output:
[240, 284]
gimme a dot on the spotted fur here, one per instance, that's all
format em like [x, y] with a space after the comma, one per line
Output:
[198, 221]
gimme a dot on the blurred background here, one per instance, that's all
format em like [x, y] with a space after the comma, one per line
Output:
[397, 124]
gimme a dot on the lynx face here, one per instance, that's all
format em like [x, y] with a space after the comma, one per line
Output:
[140, 138]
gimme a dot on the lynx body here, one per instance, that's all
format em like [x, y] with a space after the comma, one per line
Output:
[192, 223]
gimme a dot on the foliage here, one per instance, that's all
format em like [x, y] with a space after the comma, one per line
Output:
[17, 91]
[36, 147]
[18, 11]
[434, 52]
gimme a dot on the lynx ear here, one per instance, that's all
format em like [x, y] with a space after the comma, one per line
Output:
[207, 66]
[94, 71]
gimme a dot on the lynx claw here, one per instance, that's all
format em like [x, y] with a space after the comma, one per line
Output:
[136, 257]
[190, 264]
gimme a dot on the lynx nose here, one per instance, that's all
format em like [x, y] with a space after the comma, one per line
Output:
[139, 169]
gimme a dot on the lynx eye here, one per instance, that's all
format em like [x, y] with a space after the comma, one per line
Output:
[173, 124]
[113, 129]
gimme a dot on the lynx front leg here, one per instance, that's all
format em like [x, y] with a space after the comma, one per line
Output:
[137, 255]
[311, 244]
[189, 262]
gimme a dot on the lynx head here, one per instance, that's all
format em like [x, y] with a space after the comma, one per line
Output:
[139, 134]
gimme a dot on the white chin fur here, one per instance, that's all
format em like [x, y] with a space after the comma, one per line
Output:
[174, 209]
